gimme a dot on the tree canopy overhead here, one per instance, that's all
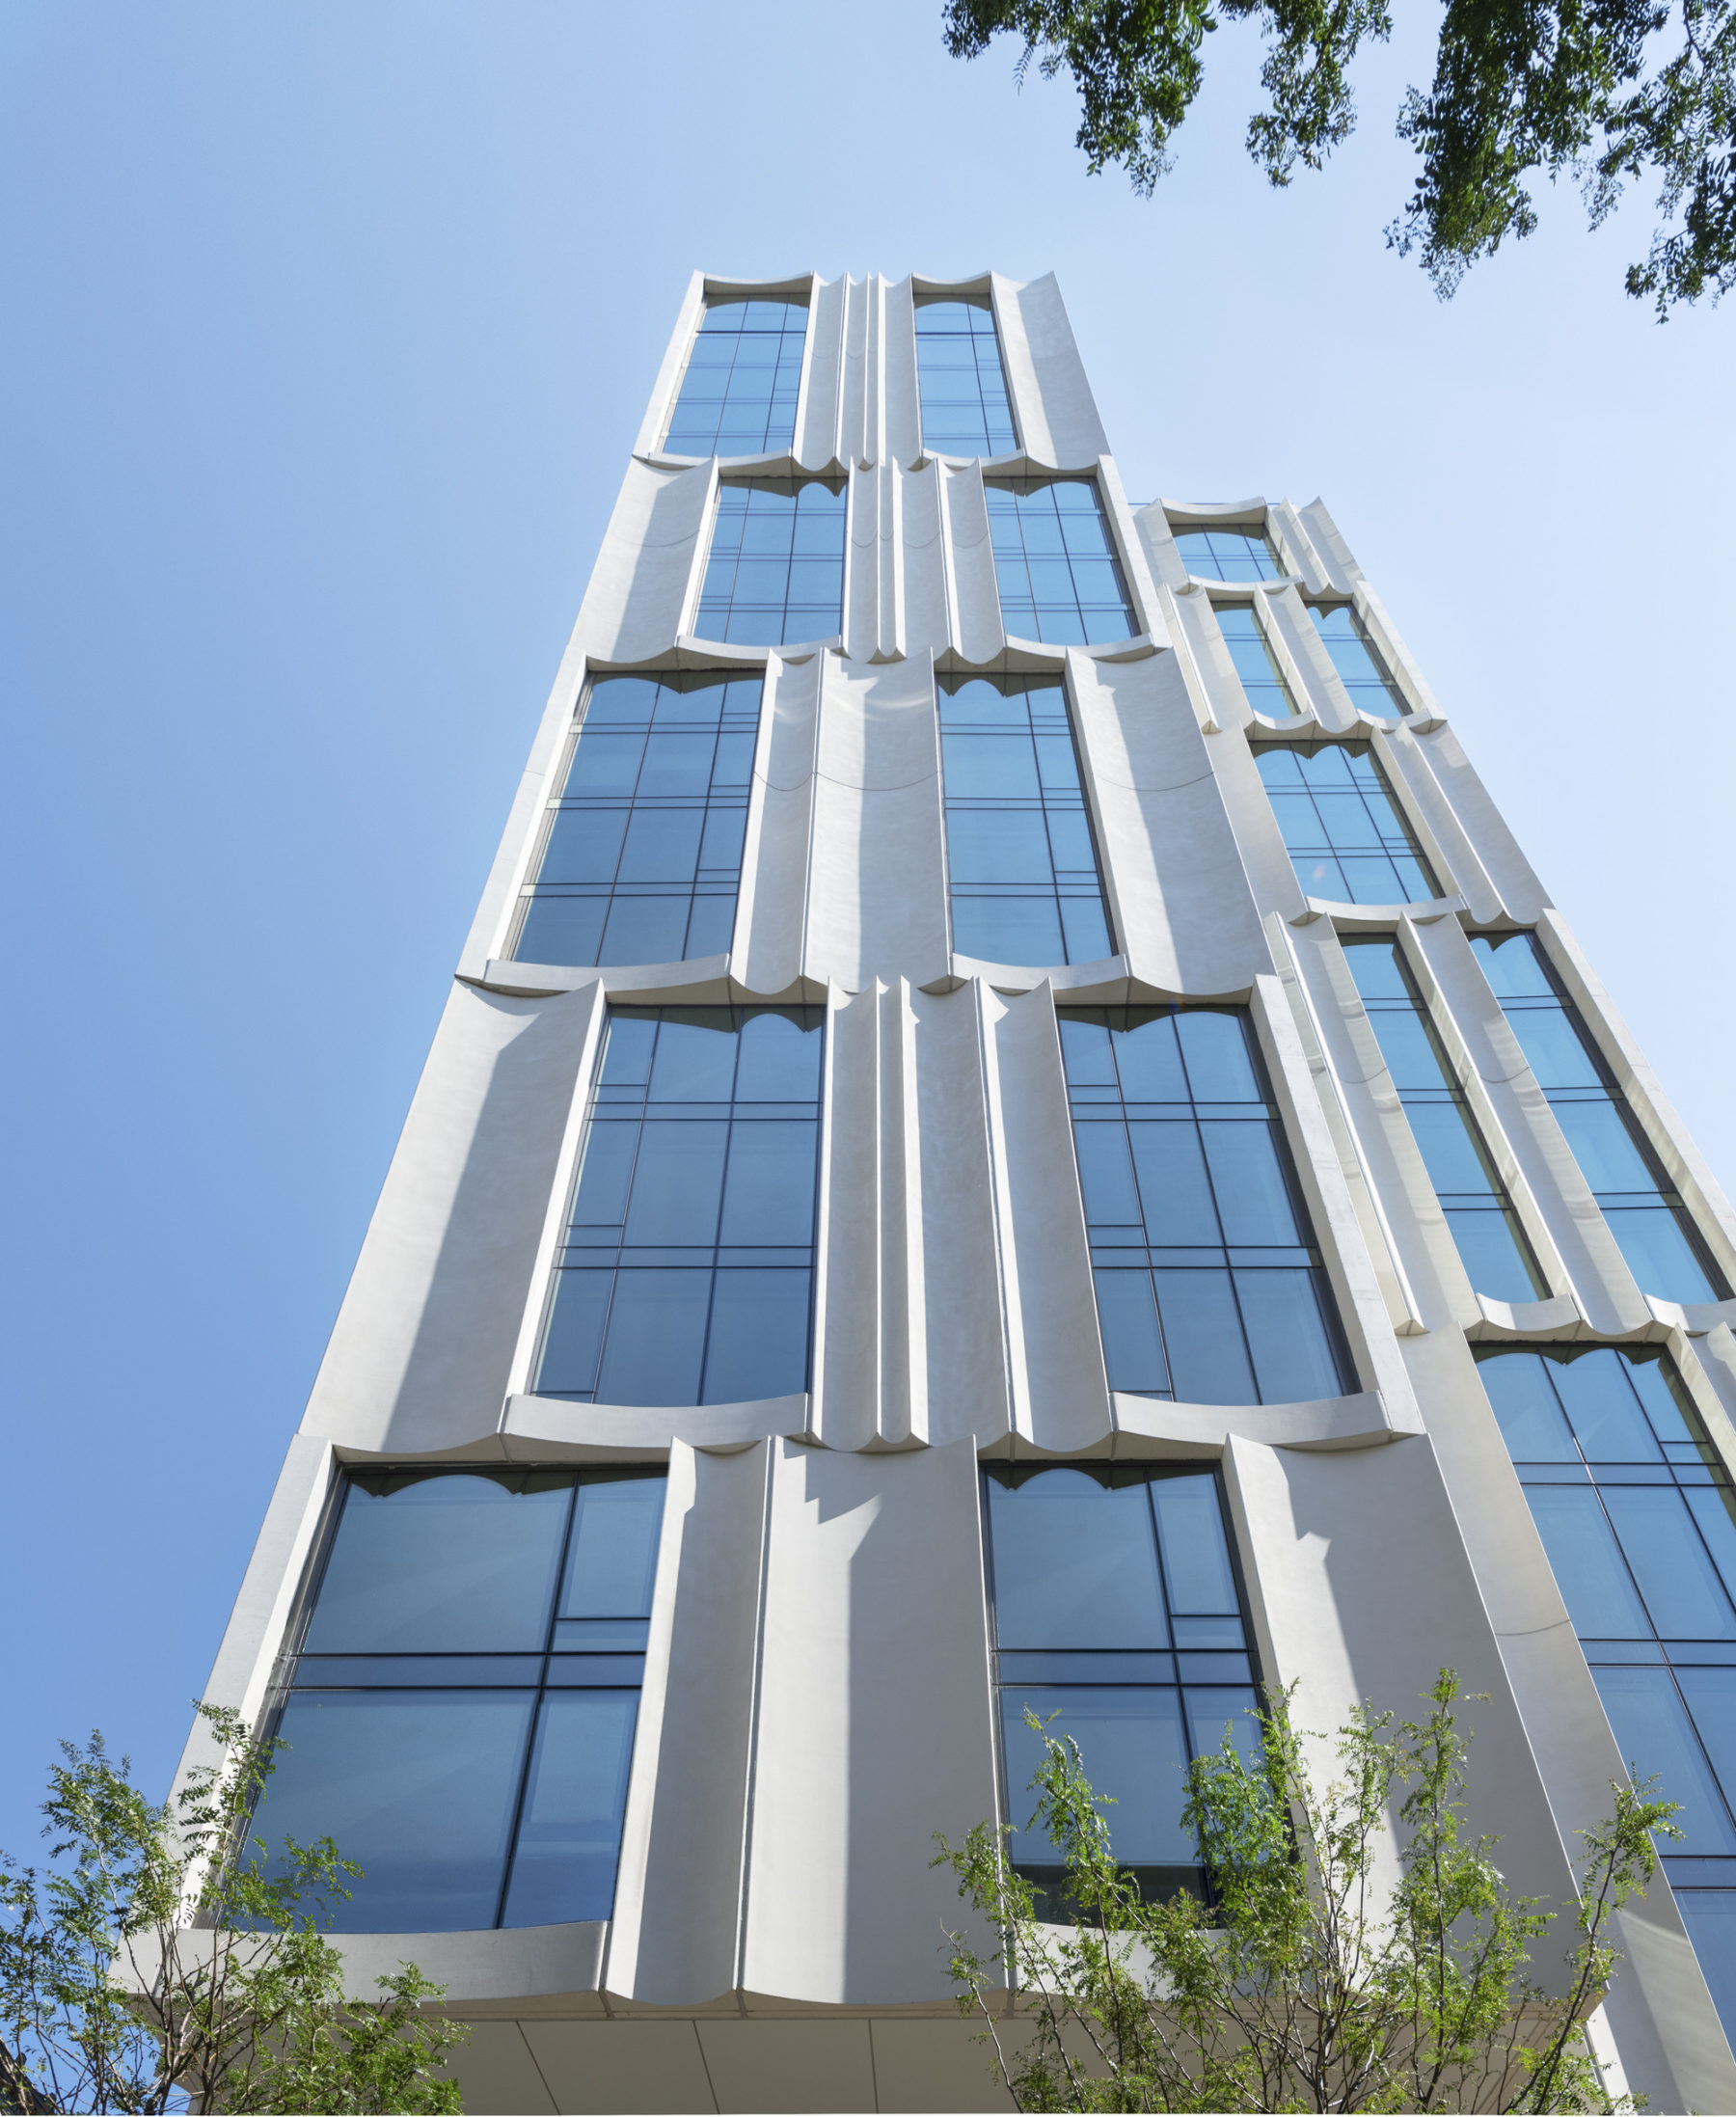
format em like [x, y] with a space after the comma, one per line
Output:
[1604, 92]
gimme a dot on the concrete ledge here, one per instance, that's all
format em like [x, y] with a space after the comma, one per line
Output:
[515, 1962]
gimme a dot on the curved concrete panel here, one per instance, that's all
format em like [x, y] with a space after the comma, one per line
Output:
[426, 1338]
[1167, 845]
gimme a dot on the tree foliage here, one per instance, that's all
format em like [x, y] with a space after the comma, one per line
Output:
[154, 1964]
[1305, 1985]
[1603, 93]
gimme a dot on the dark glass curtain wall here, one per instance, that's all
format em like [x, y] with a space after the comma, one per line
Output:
[1117, 1609]
[1647, 1217]
[1637, 1514]
[1210, 1289]
[743, 375]
[687, 1273]
[958, 374]
[1497, 1257]
[641, 860]
[460, 1717]
[1021, 862]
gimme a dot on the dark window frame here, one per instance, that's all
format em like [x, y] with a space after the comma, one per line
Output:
[742, 1011]
[984, 303]
[282, 1685]
[1047, 1876]
[531, 888]
[1611, 1092]
[1025, 681]
[708, 304]
[1352, 746]
[1093, 1107]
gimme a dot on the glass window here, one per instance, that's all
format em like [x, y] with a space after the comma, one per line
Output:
[1210, 1289]
[1646, 1213]
[1256, 664]
[1229, 555]
[1346, 835]
[1359, 665]
[1021, 859]
[1054, 559]
[687, 1272]
[959, 372]
[1637, 1516]
[1117, 1609]
[1492, 1244]
[460, 1715]
[743, 374]
[641, 856]
[776, 569]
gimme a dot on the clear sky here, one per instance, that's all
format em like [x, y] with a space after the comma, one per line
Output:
[328, 328]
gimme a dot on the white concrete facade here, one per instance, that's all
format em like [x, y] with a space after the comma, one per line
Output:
[818, 1694]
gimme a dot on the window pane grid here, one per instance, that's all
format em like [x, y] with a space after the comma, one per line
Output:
[1054, 561]
[1209, 1287]
[1346, 833]
[1229, 555]
[1256, 665]
[1646, 1213]
[1116, 1604]
[475, 1788]
[1022, 867]
[1359, 663]
[960, 380]
[776, 569]
[641, 853]
[1637, 1518]
[685, 1275]
[743, 374]
[1492, 1244]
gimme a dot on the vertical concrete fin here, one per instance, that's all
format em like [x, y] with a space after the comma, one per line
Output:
[1058, 1360]
[874, 1723]
[819, 439]
[772, 912]
[902, 1410]
[957, 1311]
[973, 592]
[848, 1329]
[927, 627]
[902, 427]
[679, 1896]
[877, 902]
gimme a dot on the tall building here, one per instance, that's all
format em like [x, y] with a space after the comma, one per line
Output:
[1013, 1126]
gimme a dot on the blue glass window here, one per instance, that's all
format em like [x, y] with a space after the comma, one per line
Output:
[1021, 861]
[1256, 664]
[641, 857]
[1491, 1242]
[1359, 662]
[687, 1272]
[1637, 1514]
[1646, 1214]
[1208, 1286]
[1346, 836]
[1054, 559]
[963, 385]
[460, 1715]
[743, 374]
[1229, 555]
[776, 570]
[1117, 1606]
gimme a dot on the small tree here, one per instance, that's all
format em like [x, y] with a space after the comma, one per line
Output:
[157, 1965]
[1297, 1988]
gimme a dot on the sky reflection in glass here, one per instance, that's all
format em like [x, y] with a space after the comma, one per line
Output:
[1208, 1286]
[461, 1714]
[685, 1275]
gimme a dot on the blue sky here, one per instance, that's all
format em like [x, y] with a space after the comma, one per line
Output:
[329, 328]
